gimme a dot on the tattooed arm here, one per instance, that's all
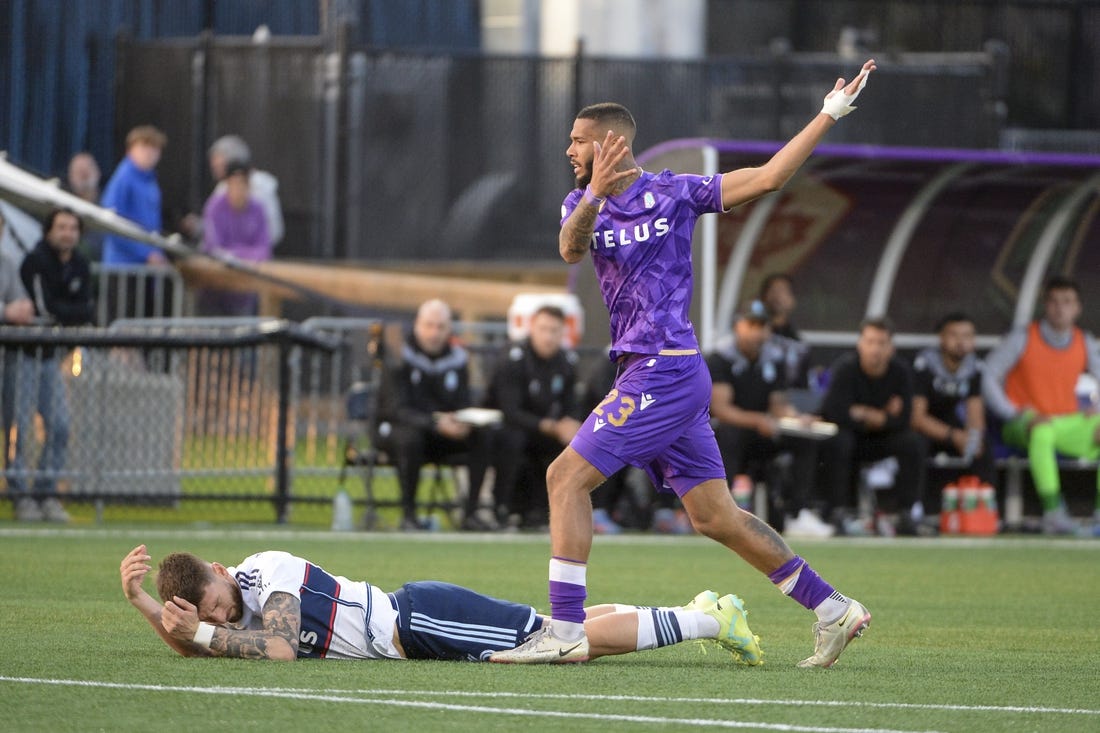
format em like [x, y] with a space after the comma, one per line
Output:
[278, 639]
[576, 232]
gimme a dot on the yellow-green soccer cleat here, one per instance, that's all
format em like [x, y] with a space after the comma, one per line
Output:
[734, 634]
[831, 639]
[542, 647]
[701, 602]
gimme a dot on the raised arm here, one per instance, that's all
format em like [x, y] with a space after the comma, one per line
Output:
[746, 184]
[135, 566]
[277, 640]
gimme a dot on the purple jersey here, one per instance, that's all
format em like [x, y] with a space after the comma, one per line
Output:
[641, 248]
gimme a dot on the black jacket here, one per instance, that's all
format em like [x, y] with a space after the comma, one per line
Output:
[61, 292]
[527, 388]
[421, 384]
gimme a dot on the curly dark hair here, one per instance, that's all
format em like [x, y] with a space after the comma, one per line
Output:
[185, 575]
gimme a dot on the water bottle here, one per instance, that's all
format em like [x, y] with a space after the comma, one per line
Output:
[949, 513]
[341, 512]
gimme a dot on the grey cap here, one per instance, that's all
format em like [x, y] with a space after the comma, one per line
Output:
[232, 147]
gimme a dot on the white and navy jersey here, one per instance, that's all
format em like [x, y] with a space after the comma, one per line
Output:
[341, 619]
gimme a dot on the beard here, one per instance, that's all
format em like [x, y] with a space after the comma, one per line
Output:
[583, 179]
[238, 609]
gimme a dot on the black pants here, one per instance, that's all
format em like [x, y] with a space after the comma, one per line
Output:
[741, 446]
[842, 453]
[522, 458]
[410, 448]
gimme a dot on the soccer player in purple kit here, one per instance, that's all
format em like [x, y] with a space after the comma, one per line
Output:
[638, 226]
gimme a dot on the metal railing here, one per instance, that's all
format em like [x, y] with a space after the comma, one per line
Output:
[157, 412]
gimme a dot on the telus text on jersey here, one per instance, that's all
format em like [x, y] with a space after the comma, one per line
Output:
[622, 237]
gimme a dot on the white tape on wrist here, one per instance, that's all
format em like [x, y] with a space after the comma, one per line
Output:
[837, 103]
[204, 634]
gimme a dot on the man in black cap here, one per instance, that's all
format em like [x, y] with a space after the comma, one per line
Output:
[747, 399]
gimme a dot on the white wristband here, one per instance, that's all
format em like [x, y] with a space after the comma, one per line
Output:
[204, 634]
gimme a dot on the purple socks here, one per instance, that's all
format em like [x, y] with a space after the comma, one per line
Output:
[799, 581]
[568, 590]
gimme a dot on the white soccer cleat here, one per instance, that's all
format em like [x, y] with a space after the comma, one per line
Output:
[542, 647]
[831, 639]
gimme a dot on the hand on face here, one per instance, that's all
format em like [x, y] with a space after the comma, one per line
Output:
[606, 159]
[180, 618]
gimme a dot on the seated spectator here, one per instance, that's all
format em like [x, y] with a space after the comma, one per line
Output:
[534, 386]
[419, 397]
[58, 278]
[777, 295]
[234, 226]
[263, 186]
[870, 398]
[947, 397]
[747, 398]
[1030, 383]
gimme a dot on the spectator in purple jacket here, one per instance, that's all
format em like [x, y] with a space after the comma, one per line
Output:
[234, 228]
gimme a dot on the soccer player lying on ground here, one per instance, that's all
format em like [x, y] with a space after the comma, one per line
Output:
[278, 606]
[638, 227]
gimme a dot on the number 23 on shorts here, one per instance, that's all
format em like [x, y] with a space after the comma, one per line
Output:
[626, 406]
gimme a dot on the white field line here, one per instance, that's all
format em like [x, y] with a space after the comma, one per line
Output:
[740, 701]
[206, 532]
[315, 696]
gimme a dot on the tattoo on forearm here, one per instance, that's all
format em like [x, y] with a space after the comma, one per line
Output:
[577, 232]
[282, 619]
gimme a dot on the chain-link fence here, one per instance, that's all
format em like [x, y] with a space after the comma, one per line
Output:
[207, 420]
[168, 417]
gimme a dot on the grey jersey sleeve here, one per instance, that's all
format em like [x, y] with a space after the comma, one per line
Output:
[998, 363]
[11, 285]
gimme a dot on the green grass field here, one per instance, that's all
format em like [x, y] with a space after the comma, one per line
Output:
[997, 635]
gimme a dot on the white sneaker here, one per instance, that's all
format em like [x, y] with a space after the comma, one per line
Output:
[807, 525]
[542, 647]
[831, 639]
[26, 510]
[52, 511]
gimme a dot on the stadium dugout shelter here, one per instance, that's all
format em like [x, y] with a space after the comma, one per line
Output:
[912, 233]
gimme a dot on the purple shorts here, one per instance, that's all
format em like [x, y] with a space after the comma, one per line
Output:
[656, 417]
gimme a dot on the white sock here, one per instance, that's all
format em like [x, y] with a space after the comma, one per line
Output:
[647, 635]
[566, 630]
[831, 608]
[697, 625]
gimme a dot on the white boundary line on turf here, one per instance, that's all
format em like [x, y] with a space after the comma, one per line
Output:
[524, 712]
[946, 707]
[287, 533]
[738, 701]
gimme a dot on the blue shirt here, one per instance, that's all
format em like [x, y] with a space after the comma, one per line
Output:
[135, 195]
